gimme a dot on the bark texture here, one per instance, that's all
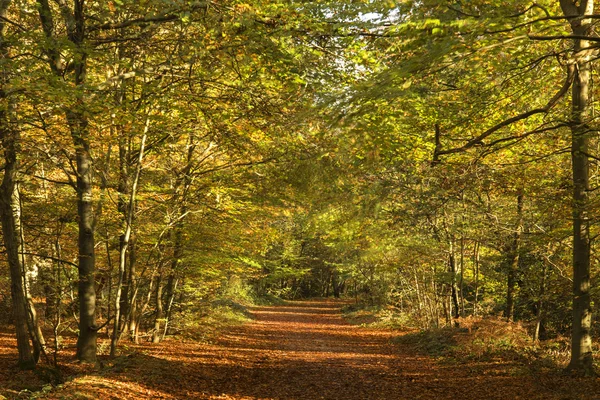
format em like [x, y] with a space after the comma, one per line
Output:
[581, 339]
[10, 210]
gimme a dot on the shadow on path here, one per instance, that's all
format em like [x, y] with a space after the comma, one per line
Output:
[305, 350]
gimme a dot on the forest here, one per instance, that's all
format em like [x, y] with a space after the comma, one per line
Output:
[427, 164]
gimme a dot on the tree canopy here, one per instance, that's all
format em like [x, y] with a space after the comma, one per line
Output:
[437, 157]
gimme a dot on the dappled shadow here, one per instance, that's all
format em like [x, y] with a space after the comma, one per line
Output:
[292, 352]
[299, 352]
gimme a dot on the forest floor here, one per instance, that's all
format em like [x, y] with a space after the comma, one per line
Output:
[301, 350]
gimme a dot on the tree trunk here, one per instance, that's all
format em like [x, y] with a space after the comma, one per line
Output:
[337, 284]
[171, 288]
[78, 125]
[88, 335]
[128, 211]
[156, 334]
[133, 287]
[10, 214]
[512, 262]
[462, 276]
[476, 273]
[10, 210]
[581, 339]
[124, 189]
[86, 343]
[453, 290]
[539, 306]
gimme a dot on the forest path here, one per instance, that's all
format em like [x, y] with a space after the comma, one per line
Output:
[305, 350]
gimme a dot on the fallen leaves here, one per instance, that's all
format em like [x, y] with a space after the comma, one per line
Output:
[302, 350]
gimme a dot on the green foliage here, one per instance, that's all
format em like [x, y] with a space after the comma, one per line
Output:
[291, 154]
[439, 342]
[483, 339]
[378, 317]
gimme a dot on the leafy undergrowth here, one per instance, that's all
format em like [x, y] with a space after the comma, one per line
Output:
[473, 339]
[202, 320]
[490, 340]
[205, 321]
[376, 317]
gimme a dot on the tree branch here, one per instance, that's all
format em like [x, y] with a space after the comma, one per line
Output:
[543, 110]
[169, 16]
[561, 37]
[60, 260]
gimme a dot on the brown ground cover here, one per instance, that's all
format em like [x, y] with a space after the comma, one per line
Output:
[302, 350]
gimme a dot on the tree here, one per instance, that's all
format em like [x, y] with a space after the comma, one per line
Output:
[582, 55]
[10, 204]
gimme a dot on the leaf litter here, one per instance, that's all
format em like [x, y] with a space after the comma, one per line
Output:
[300, 350]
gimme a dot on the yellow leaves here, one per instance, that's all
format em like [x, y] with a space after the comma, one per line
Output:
[243, 8]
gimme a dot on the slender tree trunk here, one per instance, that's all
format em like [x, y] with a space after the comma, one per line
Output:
[581, 339]
[171, 288]
[57, 318]
[132, 307]
[476, 273]
[539, 313]
[462, 276]
[124, 188]
[453, 290]
[513, 262]
[181, 189]
[156, 334]
[418, 293]
[124, 241]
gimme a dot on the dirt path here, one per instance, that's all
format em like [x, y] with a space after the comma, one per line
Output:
[305, 350]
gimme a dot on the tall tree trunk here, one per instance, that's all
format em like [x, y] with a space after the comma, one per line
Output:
[78, 123]
[124, 189]
[181, 189]
[76, 117]
[10, 214]
[86, 343]
[10, 210]
[512, 261]
[132, 317]
[171, 288]
[581, 339]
